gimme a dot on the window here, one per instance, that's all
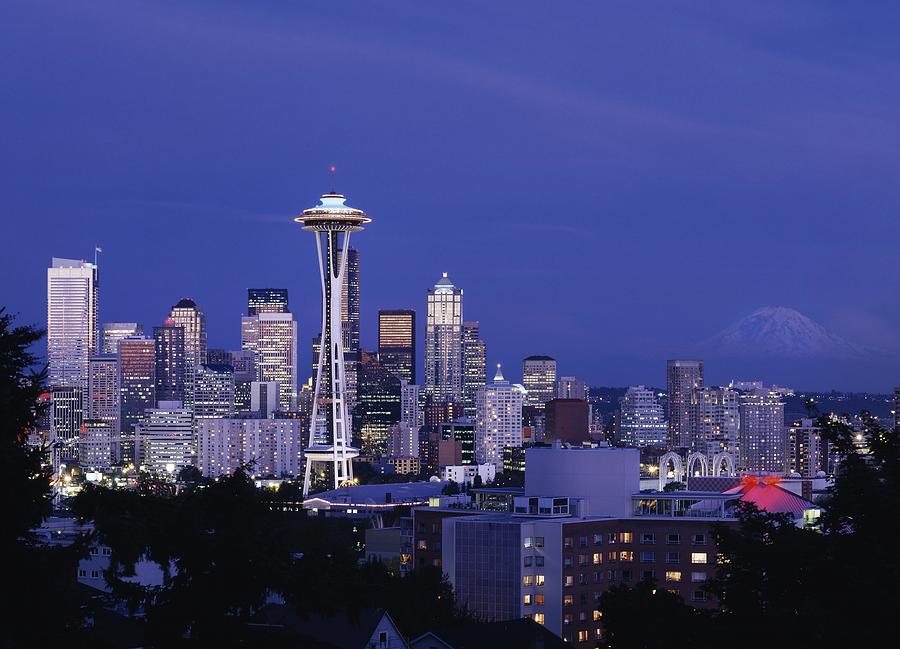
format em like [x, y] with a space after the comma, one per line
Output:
[626, 555]
[567, 562]
[598, 539]
[611, 575]
[673, 575]
[698, 539]
[526, 599]
[568, 580]
[528, 561]
[568, 600]
[611, 537]
[422, 544]
[582, 541]
[648, 538]
[648, 557]
[95, 574]
[582, 559]
[673, 539]
[673, 557]
[699, 596]
[567, 542]
[539, 561]
[82, 572]
[626, 575]
[528, 541]
[598, 576]
[107, 552]
[597, 558]
[539, 541]
[539, 580]
[582, 636]
[648, 575]
[567, 618]
[582, 579]
[626, 537]
[698, 577]
[95, 550]
[613, 556]
[596, 616]
[539, 618]
[527, 580]
[539, 599]
[698, 557]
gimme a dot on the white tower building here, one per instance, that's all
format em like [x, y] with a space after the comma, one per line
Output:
[329, 434]
[498, 420]
[643, 422]
[443, 342]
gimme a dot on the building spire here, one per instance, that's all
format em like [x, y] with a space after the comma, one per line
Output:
[333, 170]
[499, 375]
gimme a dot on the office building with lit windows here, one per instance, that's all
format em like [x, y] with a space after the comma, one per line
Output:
[267, 300]
[763, 439]
[539, 380]
[273, 446]
[378, 405]
[170, 361]
[682, 378]
[73, 330]
[397, 342]
[96, 441]
[498, 420]
[271, 338]
[474, 365]
[214, 392]
[113, 332]
[187, 314]
[807, 450]
[714, 420]
[103, 400]
[642, 422]
[164, 441]
[137, 388]
[443, 342]
[67, 413]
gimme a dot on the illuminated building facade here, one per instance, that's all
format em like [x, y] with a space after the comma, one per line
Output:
[763, 441]
[276, 355]
[67, 413]
[498, 420]
[714, 420]
[807, 450]
[682, 378]
[539, 380]
[642, 422]
[103, 401]
[214, 393]
[95, 444]
[137, 388]
[378, 404]
[273, 445]
[330, 432]
[189, 316]
[267, 300]
[443, 342]
[164, 441]
[170, 361]
[113, 332]
[397, 342]
[474, 351]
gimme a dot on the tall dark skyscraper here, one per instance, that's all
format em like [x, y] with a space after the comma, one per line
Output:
[474, 365]
[377, 405]
[397, 342]
[682, 378]
[137, 387]
[267, 300]
[169, 344]
[350, 302]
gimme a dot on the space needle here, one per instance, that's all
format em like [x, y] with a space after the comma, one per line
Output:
[329, 426]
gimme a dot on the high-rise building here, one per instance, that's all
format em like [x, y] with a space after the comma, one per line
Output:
[214, 392]
[474, 351]
[498, 420]
[276, 355]
[763, 442]
[443, 341]
[103, 401]
[95, 444]
[569, 387]
[682, 378]
[188, 314]
[457, 446]
[714, 420]
[378, 404]
[403, 441]
[329, 437]
[350, 302]
[244, 364]
[642, 422]
[164, 441]
[218, 356]
[170, 361]
[267, 300]
[397, 342]
[273, 446]
[539, 380]
[73, 334]
[264, 398]
[807, 451]
[567, 420]
[113, 332]
[67, 413]
[410, 408]
[137, 388]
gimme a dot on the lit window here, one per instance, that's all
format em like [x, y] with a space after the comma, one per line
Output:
[527, 580]
[596, 616]
[569, 580]
[673, 575]
[582, 636]
[626, 555]
[539, 599]
[698, 577]
[539, 580]
[526, 599]
[598, 558]
[698, 557]
[528, 541]
[568, 600]
[539, 618]
[626, 537]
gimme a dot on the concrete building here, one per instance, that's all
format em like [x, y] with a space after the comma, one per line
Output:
[267, 300]
[567, 420]
[465, 474]
[498, 420]
[271, 339]
[642, 422]
[763, 442]
[137, 389]
[264, 398]
[103, 400]
[714, 421]
[67, 413]
[403, 441]
[682, 378]
[474, 366]
[410, 406]
[539, 380]
[214, 392]
[73, 333]
[397, 342]
[569, 387]
[187, 314]
[273, 446]
[95, 445]
[443, 342]
[807, 451]
[164, 441]
[170, 361]
[113, 332]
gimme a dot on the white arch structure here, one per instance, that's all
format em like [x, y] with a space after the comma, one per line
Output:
[692, 460]
[677, 469]
[722, 464]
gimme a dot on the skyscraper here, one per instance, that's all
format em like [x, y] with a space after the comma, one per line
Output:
[378, 404]
[443, 342]
[642, 422]
[103, 400]
[164, 442]
[276, 355]
[73, 334]
[763, 440]
[397, 342]
[714, 420]
[350, 302]
[96, 440]
[188, 315]
[569, 387]
[807, 450]
[329, 437]
[113, 332]
[682, 378]
[474, 351]
[137, 388]
[267, 300]
[214, 393]
[170, 361]
[244, 364]
[67, 413]
[498, 420]
[539, 379]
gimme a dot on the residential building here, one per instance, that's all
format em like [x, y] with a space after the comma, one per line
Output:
[164, 441]
[763, 442]
[214, 392]
[73, 334]
[642, 422]
[474, 365]
[714, 420]
[397, 342]
[682, 378]
[272, 447]
[466, 473]
[443, 341]
[113, 332]
[498, 420]
[807, 450]
[403, 441]
[405, 465]
[539, 380]
[410, 408]
[187, 314]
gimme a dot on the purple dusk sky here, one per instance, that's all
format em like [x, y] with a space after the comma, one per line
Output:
[611, 183]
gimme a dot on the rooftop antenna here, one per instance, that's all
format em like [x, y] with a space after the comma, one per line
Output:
[97, 249]
[333, 170]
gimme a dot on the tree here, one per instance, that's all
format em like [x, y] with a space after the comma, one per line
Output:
[674, 486]
[450, 489]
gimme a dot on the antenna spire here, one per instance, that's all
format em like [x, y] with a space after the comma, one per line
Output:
[333, 170]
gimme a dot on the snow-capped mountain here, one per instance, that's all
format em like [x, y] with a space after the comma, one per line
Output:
[782, 332]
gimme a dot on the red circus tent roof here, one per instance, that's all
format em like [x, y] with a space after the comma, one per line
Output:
[765, 493]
